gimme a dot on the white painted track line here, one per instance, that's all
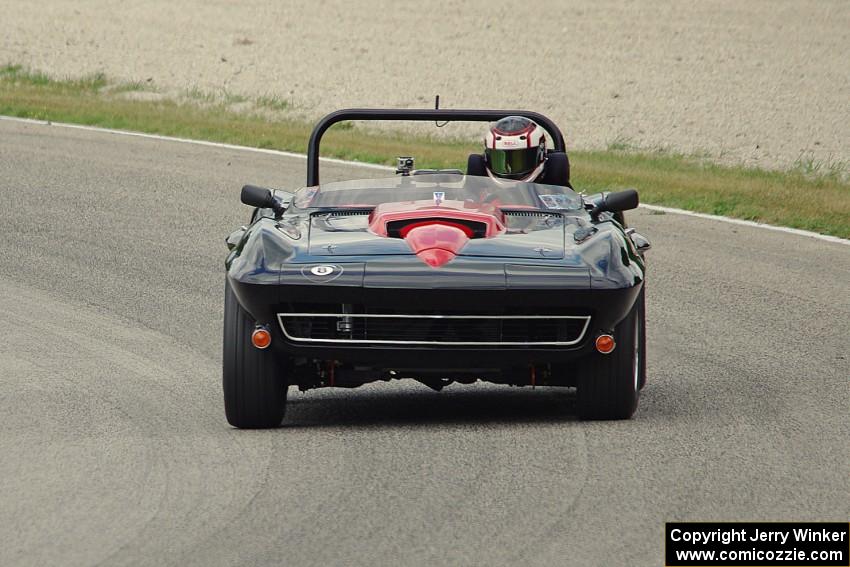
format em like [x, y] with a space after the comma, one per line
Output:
[190, 141]
[785, 229]
[670, 210]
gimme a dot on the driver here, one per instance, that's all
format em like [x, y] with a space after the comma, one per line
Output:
[515, 148]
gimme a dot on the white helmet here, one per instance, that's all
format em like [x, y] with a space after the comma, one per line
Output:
[515, 148]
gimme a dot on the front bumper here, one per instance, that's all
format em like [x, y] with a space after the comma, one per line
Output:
[605, 308]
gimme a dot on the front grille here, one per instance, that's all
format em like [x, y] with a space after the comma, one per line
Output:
[423, 329]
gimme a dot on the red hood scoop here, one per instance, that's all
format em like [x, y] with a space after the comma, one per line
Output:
[436, 232]
[436, 242]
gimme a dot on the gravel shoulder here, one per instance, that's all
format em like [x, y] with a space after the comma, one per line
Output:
[760, 83]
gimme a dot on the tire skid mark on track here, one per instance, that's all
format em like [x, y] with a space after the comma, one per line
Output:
[530, 549]
[124, 386]
[149, 480]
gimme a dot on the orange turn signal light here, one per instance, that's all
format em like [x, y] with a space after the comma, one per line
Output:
[605, 343]
[261, 338]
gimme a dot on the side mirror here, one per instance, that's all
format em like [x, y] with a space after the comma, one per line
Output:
[257, 197]
[614, 202]
[262, 198]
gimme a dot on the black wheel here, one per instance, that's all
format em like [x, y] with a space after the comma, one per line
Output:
[609, 384]
[254, 388]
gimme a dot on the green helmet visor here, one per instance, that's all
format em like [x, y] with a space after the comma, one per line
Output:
[512, 164]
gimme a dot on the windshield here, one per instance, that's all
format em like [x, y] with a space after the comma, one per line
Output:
[437, 188]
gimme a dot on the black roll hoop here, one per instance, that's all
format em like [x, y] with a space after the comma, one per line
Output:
[425, 115]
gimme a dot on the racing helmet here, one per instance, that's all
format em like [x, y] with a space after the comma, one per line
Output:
[515, 148]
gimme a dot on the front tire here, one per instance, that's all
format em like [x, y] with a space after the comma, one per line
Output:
[254, 388]
[609, 384]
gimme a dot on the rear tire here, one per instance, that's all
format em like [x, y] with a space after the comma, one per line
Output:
[254, 388]
[609, 384]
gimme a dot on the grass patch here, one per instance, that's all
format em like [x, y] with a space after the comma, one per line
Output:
[621, 144]
[812, 196]
[221, 97]
[808, 165]
[273, 102]
[18, 75]
[134, 87]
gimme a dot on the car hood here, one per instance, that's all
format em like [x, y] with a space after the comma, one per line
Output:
[493, 232]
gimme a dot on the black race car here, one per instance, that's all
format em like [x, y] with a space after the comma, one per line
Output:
[436, 276]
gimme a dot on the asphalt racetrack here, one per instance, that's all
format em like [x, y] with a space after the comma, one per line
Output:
[114, 449]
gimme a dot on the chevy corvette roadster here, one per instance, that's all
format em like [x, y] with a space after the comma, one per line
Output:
[439, 276]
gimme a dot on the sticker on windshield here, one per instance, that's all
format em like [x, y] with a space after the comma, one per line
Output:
[556, 201]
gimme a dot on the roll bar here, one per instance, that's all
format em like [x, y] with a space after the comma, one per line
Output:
[425, 115]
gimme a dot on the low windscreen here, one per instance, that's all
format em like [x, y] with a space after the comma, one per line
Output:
[437, 187]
